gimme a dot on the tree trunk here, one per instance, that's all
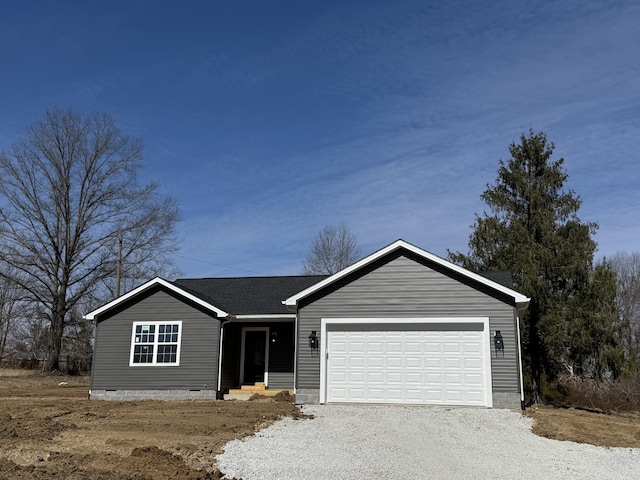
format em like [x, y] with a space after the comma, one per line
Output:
[55, 342]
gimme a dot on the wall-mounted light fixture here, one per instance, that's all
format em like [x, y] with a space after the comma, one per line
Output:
[498, 343]
[274, 337]
[313, 340]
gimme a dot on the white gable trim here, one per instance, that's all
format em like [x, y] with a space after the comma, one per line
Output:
[150, 284]
[398, 244]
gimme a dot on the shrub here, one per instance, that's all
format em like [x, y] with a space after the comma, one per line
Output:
[622, 395]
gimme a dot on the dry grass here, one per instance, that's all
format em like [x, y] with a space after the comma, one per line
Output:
[575, 425]
[17, 372]
[21, 378]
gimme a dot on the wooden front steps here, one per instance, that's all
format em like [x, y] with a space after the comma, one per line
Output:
[246, 391]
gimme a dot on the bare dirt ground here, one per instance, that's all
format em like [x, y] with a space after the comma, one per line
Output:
[49, 430]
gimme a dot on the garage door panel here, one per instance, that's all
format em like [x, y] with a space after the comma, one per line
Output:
[415, 396]
[453, 379]
[356, 362]
[338, 346]
[453, 396]
[375, 362]
[473, 363]
[432, 347]
[393, 362]
[413, 362]
[434, 396]
[432, 363]
[473, 379]
[376, 395]
[418, 366]
[393, 347]
[339, 361]
[452, 347]
[472, 347]
[474, 398]
[453, 363]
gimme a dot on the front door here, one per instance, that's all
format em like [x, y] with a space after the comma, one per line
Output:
[254, 355]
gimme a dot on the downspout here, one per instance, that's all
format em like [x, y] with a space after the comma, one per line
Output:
[295, 355]
[521, 309]
[218, 391]
[296, 340]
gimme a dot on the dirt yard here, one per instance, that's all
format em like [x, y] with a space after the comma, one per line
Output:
[49, 430]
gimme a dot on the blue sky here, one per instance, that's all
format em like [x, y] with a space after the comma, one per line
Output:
[268, 120]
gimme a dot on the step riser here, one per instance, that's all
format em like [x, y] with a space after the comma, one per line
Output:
[257, 386]
[266, 393]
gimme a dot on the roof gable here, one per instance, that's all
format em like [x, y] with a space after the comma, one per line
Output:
[400, 245]
[187, 295]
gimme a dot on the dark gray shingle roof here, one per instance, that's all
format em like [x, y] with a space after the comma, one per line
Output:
[248, 295]
[501, 277]
[264, 295]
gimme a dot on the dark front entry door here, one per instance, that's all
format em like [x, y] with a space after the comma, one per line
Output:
[254, 355]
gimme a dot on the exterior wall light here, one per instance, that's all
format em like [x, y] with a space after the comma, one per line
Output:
[498, 343]
[314, 341]
[274, 337]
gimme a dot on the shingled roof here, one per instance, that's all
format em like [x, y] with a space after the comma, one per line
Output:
[501, 277]
[264, 295]
[248, 295]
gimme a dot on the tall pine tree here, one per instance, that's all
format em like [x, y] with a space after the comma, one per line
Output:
[533, 231]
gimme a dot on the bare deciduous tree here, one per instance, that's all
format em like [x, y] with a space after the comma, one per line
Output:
[71, 192]
[332, 249]
[627, 268]
[11, 311]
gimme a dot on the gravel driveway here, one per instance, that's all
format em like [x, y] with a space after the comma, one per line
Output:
[376, 442]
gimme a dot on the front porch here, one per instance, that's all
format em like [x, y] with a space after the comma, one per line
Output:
[257, 357]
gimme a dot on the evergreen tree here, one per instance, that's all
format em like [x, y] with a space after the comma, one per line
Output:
[534, 232]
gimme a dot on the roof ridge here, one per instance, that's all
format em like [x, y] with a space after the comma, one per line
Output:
[250, 276]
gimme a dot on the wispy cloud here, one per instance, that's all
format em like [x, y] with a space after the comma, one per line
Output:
[268, 123]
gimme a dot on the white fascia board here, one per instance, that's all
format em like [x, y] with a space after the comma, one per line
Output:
[293, 301]
[151, 283]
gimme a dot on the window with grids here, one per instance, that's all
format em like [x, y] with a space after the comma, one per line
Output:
[156, 343]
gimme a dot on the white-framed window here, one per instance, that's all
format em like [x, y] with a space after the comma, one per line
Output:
[155, 343]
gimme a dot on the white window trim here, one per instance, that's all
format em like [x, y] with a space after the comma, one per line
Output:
[154, 363]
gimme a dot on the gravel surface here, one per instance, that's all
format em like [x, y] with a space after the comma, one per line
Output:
[371, 442]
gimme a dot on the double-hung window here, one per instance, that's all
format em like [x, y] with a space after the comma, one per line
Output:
[156, 343]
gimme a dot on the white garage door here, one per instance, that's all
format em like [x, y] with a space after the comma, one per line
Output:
[415, 364]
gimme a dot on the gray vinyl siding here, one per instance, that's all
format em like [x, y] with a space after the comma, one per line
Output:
[198, 368]
[409, 287]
